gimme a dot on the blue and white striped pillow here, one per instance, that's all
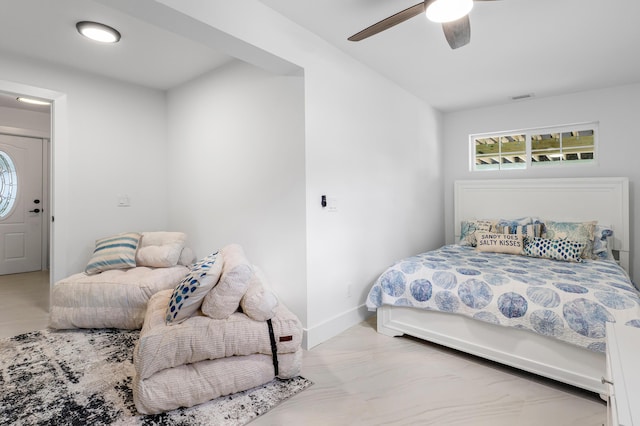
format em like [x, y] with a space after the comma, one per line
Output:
[116, 252]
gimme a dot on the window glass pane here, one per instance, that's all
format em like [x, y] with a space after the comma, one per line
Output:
[513, 152]
[578, 146]
[8, 184]
[545, 147]
[487, 154]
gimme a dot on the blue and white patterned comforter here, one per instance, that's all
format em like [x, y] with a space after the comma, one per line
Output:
[567, 301]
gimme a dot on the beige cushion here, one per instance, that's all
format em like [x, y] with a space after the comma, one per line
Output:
[499, 243]
[224, 298]
[160, 249]
[192, 384]
[187, 257]
[259, 302]
[111, 299]
[161, 346]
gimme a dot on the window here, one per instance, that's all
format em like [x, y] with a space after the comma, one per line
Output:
[8, 184]
[501, 152]
[571, 144]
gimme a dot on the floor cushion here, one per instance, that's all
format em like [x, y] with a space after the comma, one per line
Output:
[200, 337]
[111, 299]
[201, 358]
[191, 384]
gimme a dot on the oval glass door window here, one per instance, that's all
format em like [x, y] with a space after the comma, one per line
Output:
[8, 184]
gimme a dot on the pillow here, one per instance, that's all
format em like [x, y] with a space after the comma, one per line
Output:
[581, 232]
[515, 222]
[531, 230]
[564, 250]
[160, 249]
[499, 243]
[601, 249]
[187, 257]
[116, 252]
[224, 299]
[259, 303]
[187, 296]
[468, 230]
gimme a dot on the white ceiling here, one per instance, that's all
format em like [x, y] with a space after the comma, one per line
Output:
[544, 47]
[146, 55]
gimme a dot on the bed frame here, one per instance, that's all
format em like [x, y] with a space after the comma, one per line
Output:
[577, 199]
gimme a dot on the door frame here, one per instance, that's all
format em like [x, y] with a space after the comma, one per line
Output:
[58, 193]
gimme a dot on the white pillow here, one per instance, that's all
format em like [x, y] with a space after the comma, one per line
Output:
[499, 243]
[160, 249]
[259, 302]
[224, 298]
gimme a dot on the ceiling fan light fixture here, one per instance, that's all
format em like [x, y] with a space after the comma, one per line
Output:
[98, 32]
[448, 10]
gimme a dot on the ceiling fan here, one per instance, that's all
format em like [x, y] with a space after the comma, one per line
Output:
[453, 14]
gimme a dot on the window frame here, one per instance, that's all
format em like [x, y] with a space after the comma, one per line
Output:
[529, 163]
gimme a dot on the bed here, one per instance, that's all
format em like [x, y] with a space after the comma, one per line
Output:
[521, 311]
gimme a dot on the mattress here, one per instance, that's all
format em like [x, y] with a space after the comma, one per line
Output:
[111, 299]
[567, 301]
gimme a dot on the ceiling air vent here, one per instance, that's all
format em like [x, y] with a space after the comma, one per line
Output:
[520, 97]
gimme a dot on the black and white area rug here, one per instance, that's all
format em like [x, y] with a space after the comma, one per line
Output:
[83, 377]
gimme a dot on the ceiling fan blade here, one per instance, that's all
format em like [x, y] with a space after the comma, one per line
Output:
[458, 33]
[389, 22]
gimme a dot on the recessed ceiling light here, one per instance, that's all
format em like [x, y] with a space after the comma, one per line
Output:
[98, 32]
[448, 10]
[32, 101]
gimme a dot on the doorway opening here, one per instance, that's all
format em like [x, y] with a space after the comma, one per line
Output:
[25, 211]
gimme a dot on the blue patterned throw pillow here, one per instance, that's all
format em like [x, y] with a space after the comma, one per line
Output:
[601, 249]
[564, 250]
[581, 232]
[469, 228]
[188, 295]
[116, 252]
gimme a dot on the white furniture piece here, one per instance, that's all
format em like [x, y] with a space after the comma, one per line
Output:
[623, 375]
[575, 199]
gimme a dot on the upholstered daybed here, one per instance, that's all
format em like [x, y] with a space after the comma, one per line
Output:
[123, 273]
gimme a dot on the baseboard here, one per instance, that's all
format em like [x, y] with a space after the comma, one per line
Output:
[333, 326]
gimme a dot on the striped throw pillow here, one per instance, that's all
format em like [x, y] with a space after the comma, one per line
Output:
[116, 252]
[531, 230]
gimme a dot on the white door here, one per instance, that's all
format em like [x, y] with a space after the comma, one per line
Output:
[21, 206]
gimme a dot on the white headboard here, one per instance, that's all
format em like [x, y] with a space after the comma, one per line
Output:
[566, 199]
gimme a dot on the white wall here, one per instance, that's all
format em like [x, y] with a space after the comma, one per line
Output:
[616, 109]
[116, 143]
[236, 172]
[367, 142]
[370, 144]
